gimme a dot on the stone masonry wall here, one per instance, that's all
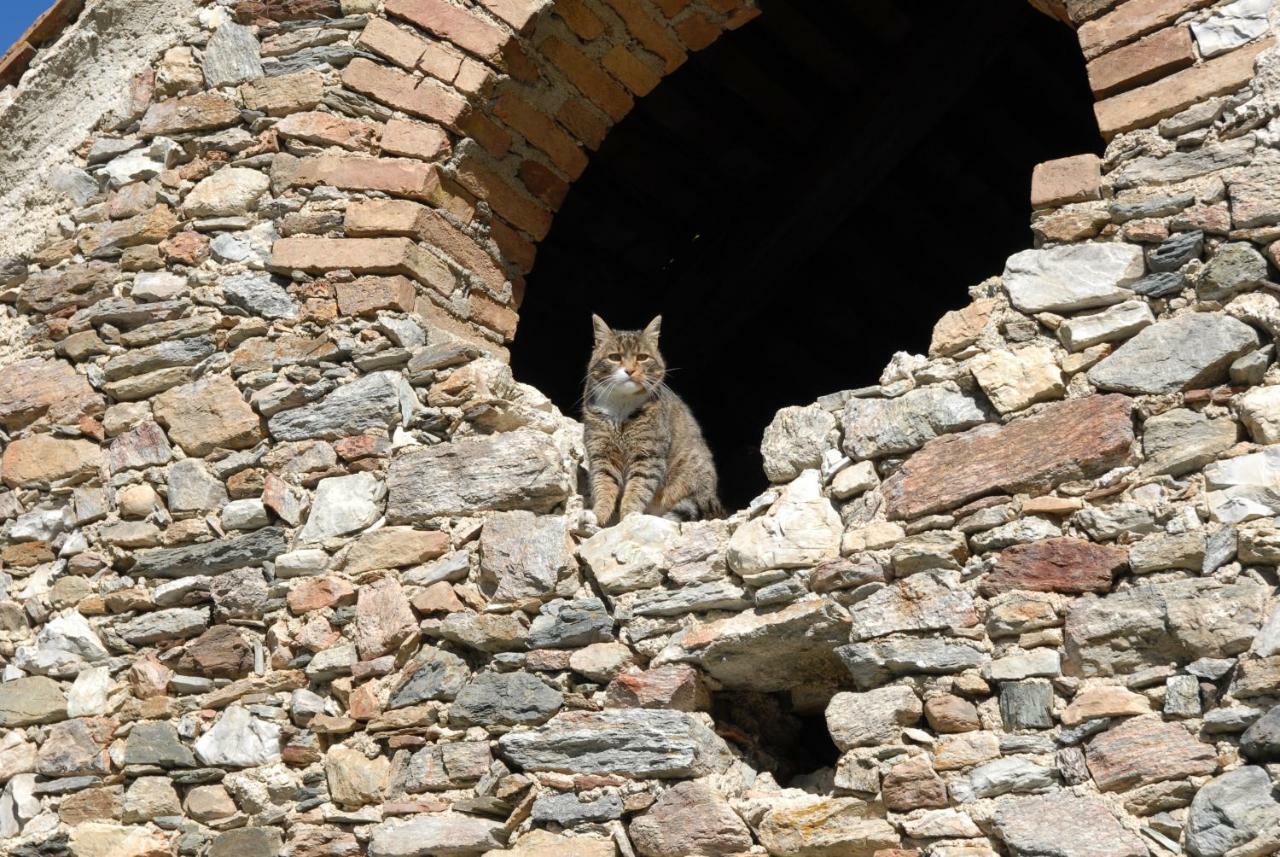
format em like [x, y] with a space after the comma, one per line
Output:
[291, 564]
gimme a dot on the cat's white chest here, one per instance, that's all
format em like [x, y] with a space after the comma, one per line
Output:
[617, 404]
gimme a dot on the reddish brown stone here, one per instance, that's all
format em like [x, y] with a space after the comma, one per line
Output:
[516, 207]
[439, 597]
[325, 129]
[1130, 21]
[1147, 750]
[590, 79]
[317, 593]
[268, 11]
[220, 652]
[36, 388]
[1142, 62]
[204, 112]
[518, 13]
[1056, 565]
[284, 94]
[516, 109]
[206, 415]
[186, 248]
[415, 140]
[427, 97]
[25, 554]
[635, 75]
[950, 714]
[913, 784]
[650, 31]
[676, 686]
[368, 295]
[1075, 439]
[41, 458]
[397, 44]
[395, 176]
[1074, 179]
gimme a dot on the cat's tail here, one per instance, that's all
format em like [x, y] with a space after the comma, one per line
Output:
[693, 509]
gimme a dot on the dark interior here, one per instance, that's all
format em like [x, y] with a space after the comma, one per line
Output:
[767, 731]
[804, 198]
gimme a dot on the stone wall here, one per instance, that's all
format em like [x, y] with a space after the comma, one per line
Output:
[293, 564]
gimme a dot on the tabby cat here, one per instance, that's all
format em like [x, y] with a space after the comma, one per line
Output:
[645, 451]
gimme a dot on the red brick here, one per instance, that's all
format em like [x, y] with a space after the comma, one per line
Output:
[623, 64]
[268, 11]
[1073, 566]
[443, 19]
[564, 151]
[1130, 21]
[498, 318]
[518, 13]
[511, 204]
[590, 79]
[363, 256]
[1142, 62]
[1139, 108]
[401, 217]
[415, 140]
[1074, 179]
[441, 60]
[368, 295]
[326, 129]
[426, 98]
[395, 43]
[474, 78]
[584, 23]
[583, 122]
[489, 134]
[544, 184]
[650, 31]
[366, 218]
[396, 176]
[671, 8]
[15, 62]
[515, 248]
[697, 31]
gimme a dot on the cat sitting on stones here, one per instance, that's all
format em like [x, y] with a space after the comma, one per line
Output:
[645, 450]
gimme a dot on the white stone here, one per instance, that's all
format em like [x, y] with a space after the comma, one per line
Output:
[239, 740]
[88, 694]
[1072, 277]
[1231, 26]
[1118, 322]
[342, 505]
[941, 823]
[1260, 412]
[1244, 488]
[801, 529]
[301, 563]
[1013, 380]
[854, 480]
[158, 286]
[247, 514]
[871, 718]
[1037, 662]
[631, 555]
[64, 646]
[228, 192]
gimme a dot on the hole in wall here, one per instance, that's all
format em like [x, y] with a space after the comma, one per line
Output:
[802, 199]
[772, 734]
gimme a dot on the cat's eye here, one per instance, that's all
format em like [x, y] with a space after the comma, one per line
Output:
[644, 357]
[615, 357]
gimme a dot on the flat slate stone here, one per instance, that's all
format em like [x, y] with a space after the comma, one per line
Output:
[1230, 811]
[1193, 350]
[1063, 825]
[1072, 277]
[1145, 750]
[878, 427]
[1068, 565]
[213, 557]
[1078, 438]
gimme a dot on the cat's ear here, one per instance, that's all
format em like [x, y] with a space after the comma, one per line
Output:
[602, 330]
[653, 328]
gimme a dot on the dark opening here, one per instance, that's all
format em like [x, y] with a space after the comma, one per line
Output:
[802, 199]
[772, 736]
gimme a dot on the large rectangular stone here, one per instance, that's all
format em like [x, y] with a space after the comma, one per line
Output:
[1075, 439]
[1130, 21]
[454, 23]
[1142, 62]
[363, 256]
[427, 97]
[220, 555]
[394, 176]
[1146, 750]
[1149, 104]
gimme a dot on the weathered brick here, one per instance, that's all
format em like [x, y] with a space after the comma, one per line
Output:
[520, 14]
[395, 43]
[671, 8]
[1130, 21]
[464, 29]
[584, 23]
[583, 122]
[623, 64]
[511, 204]
[204, 112]
[1074, 179]
[373, 217]
[517, 111]
[442, 60]
[742, 17]
[415, 140]
[401, 217]
[514, 247]
[326, 129]
[1141, 62]
[284, 94]
[493, 137]
[543, 183]
[650, 31]
[697, 31]
[426, 98]
[1067, 440]
[474, 78]
[368, 295]
[498, 318]
[363, 256]
[268, 11]
[590, 79]
[1149, 104]
[396, 176]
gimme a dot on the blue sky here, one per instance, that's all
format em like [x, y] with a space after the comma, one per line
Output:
[16, 16]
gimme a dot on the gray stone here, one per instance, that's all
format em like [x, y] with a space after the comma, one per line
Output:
[565, 624]
[1026, 704]
[505, 699]
[436, 674]
[1175, 251]
[240, 594]
[1182, 696]
[1160, 285]
[1116, 322]
[178, 623]
[247, 842]
[696, 598]
[1192, 350]
[1012, 775]
[1228, 28]
[877, 427]
[1230, 721]
[630, 742]
[873, 664]
[928, 601]
[795, 440]
[523, 555]
[1180, 166]
[192, 488]
[247, 514]
[382, 400]
[567, 810]
[342, 505]
[514, 470]
[871, 718]
[162, 355]
[447, 834]
[1261, 741]
[232, 56]
[1235, 267]
[1145, 205]
[156, 742]
[631, 554]
[257, 293]
[250, 549]
[1180, 440]
[1230, 811]
[1072, 277]
[27, 701]
[1063, 825]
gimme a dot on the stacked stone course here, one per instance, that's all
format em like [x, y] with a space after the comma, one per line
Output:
[291, 564]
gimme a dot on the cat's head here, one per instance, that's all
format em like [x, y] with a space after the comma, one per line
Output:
[628, 361]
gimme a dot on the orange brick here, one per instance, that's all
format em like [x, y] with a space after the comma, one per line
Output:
[518, 13]
[623, 64]
[1147, 105]
[1141, 62]
[456, 200]
[697, 31]
[441, 60]
[489, 134]
[515, 248]
[474, 78]
[1129, 21]
[545, 135]
[398, 45]
[415, 140]
[671, 8]
[443, 19]
[367, 218]
[1074, 179]
[509, 203]
[491, 314]
[395, 176]
[544, 184]
[363, 256]
[583, 122]
[650, 31]
[426, 98]
[589, 78]
[368, 295]
[584, 23]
